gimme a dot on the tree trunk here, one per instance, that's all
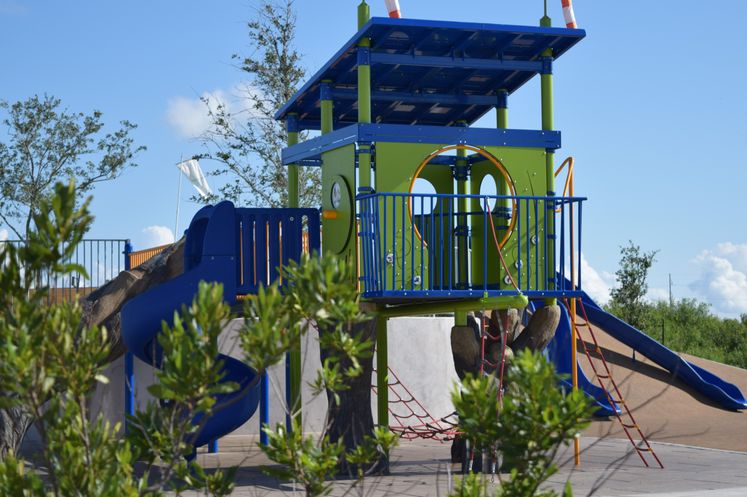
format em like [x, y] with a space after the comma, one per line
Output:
[101, 308]
[352, 420]
[14, 423]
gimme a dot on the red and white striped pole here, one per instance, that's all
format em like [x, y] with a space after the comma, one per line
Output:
[392, 6]
[570, 17]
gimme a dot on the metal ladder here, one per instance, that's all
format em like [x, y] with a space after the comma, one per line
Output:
[629, 423]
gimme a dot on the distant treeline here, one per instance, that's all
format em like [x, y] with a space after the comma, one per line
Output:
[688, 326]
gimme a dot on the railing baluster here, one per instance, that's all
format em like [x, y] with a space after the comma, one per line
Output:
[422, 242]
[404, 239]
[485, 213]
[562, 241]
[536, 245]
[432, 247]
[580, 217]
[412, 247]
[451, 243]
[528, 262]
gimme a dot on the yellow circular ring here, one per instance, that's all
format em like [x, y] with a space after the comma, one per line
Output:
[493, 160]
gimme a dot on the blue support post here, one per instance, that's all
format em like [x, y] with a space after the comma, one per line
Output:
[213, 447]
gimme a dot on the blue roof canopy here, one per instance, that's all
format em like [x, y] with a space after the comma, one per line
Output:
[430, 72]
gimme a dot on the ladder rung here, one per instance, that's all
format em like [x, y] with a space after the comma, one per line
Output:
[622, 402]
[643, 449]
[603, 376]
[630, 426]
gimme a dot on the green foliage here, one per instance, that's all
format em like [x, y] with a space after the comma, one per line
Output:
[46, 144]
[688, 326]
[304, 459]
[534, 420]
[319, 293]
[50, 365]
[628, 295]
[246, 145]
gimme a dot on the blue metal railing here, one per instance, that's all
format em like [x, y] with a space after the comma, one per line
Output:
[440, 245]
[102, 260]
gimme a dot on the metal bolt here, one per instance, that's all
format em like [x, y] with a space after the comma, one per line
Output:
[518, 264]
[507, 279]
[416, 280]
[533, 240]
[390, 258]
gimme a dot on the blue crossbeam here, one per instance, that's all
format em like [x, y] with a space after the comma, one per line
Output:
[451, 62]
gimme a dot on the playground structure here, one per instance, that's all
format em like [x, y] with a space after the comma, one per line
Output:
[395, 107]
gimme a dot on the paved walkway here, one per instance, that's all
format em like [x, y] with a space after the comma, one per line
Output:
[609, 469]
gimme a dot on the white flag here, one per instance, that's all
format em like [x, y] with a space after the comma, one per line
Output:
[191, 169]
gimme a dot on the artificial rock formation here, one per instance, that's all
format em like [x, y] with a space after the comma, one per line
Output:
[467, 349]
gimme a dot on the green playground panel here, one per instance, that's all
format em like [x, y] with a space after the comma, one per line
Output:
[396, 164]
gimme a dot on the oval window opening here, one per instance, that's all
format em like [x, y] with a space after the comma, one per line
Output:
[424, 197]
[488, 187]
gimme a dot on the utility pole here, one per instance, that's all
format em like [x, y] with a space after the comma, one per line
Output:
[671, 301]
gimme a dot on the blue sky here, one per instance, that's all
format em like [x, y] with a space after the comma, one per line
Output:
[651, 104]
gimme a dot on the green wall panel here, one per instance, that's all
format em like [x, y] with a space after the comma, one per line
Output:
[338, 235]
[526, 167]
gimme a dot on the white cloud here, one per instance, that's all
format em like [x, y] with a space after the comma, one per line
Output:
[723, 278]
[154, 236]
[3, 234]
[596, 283]
[189, 117]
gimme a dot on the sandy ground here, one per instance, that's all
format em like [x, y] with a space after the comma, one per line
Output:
[665, 408]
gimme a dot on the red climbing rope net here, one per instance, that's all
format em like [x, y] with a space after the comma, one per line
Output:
[412, 419]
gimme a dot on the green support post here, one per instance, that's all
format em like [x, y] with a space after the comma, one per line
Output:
[294, 356]
[382, 370]
[364, 98]
[291, 126]
[327, 107]
[364, 14]
[460, 318]
[501, 114]
[461, 174]
[546, 85]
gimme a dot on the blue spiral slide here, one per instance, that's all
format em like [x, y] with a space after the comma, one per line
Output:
[243, 249]
[210, 255]
[725, 394]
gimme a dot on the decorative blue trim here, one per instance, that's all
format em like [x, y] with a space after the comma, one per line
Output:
[325, 91]
[313, 148]
[364, 56]
[502, 99]
[400, 133]
[546, 65]
[291, 123]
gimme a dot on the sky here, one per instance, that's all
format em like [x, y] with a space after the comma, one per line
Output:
[650, 104]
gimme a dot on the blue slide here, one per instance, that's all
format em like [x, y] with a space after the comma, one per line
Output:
[210, 255]
[725, 394]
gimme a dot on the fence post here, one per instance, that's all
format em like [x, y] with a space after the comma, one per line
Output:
[129, 359]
